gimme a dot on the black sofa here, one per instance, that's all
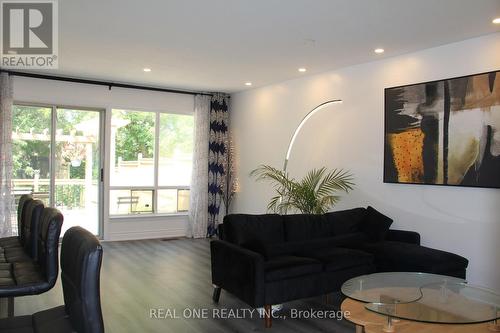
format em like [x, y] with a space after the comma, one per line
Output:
[270, 259]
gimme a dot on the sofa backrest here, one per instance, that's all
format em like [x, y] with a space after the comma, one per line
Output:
[247, 229]
[300, 227]
[242, 229]
[347, 221]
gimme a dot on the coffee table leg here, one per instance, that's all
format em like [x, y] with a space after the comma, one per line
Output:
[494, 326]
[360, 329]
[389, 327]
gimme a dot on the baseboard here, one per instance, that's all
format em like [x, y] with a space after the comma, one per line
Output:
[146, 234]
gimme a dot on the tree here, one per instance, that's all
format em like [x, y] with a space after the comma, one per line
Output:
[135, 137]
[31, 155]
[176, 134]
[28, 156]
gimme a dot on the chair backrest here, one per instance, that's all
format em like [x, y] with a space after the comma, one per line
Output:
[20, 210]
[48, 243]
[32, 214]
[81, 257]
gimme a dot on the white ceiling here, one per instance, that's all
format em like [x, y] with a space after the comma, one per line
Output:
[217, 45]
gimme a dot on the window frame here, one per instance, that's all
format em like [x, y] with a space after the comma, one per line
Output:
[155, 187]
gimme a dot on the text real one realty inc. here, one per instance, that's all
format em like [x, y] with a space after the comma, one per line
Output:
[224, 313]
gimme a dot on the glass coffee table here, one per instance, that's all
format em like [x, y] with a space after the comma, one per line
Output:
[425, 298]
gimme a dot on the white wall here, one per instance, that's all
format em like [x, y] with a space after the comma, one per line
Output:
[350, 135]
[82, 95]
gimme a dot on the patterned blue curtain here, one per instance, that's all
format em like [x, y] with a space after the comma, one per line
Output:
[217, 157]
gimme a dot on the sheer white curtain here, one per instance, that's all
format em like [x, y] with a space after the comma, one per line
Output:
[198, 203]
[6, 198]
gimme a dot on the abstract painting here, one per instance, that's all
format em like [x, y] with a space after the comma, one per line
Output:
[444, 132]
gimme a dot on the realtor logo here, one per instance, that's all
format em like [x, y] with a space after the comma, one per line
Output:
[29, 34]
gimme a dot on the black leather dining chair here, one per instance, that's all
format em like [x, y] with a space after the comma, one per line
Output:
[81, 257]
[27, 249]
[17, 241]
[20, 274]
[32, 277]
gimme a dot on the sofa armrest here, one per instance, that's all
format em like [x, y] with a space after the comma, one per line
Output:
[239, 271]
[220, 231]
[404, 236]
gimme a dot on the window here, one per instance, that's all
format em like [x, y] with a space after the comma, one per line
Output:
[151, 155]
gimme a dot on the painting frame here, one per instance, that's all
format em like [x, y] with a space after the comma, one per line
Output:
[390, 179]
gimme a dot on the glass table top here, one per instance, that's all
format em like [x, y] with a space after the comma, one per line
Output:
[446, 303]
[392, 287]
[424, 297]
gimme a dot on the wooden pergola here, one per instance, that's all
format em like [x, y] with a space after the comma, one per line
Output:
[88, 141]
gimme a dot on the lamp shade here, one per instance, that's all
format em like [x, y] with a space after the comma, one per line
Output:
[304, 120]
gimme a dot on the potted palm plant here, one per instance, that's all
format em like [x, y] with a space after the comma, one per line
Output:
[316, 193]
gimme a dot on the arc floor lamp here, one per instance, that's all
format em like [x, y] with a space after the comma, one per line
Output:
[278, 307]
[304, 120]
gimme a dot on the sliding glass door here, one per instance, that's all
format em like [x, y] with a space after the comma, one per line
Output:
[77, 167]
[57, 157]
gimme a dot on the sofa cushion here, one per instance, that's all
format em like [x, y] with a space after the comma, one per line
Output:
[376, 225]
[247, 229]
[285, 267]
[354, 240]
[336, 259]
[300, 227]
[405, 257]
[346, 221]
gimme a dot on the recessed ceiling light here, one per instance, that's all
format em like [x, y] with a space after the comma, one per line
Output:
[302, 70]
[379, 51]
[496, 21]
[248, 83]
[147, 70]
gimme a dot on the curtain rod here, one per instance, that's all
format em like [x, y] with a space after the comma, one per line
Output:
[108, 84]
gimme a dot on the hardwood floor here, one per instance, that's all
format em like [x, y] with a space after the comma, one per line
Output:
[138, 276]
